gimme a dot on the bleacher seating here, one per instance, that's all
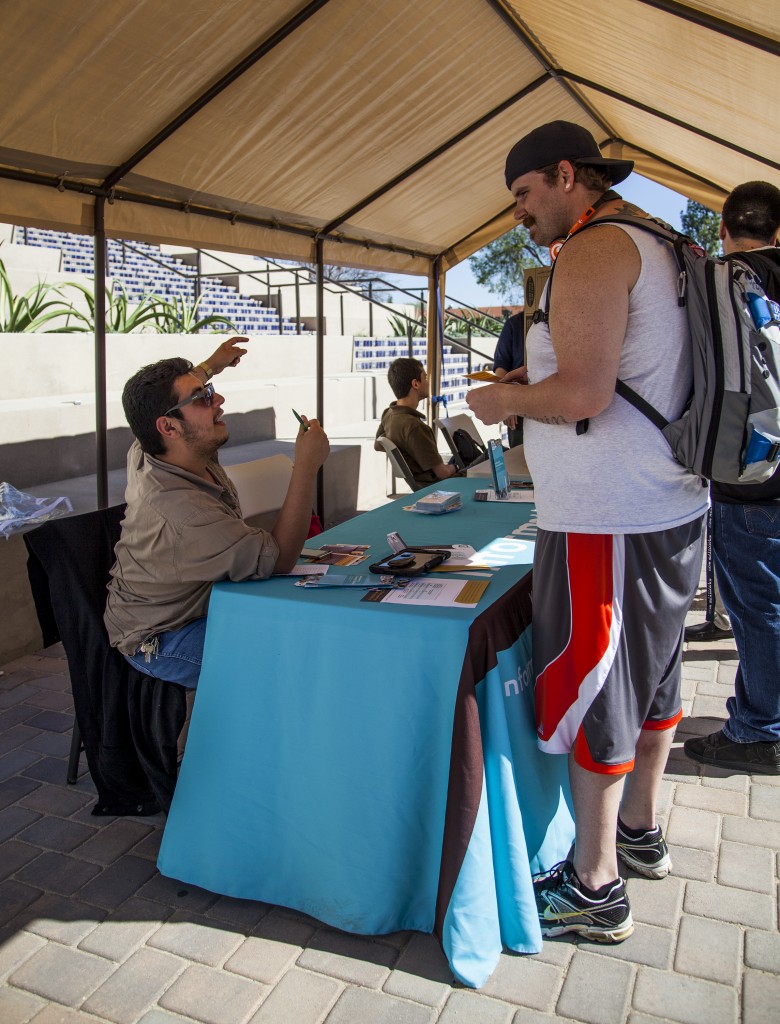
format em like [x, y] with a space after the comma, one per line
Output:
[374, 355]
[143, 269]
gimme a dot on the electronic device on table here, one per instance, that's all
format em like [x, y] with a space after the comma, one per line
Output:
[503, 488]
[498, 469]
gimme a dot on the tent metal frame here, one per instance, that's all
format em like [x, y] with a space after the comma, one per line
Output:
[110, 189]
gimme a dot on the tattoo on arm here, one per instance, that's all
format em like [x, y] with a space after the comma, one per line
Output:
[555, 420]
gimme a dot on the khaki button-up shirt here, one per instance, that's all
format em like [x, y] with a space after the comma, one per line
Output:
[181, 534]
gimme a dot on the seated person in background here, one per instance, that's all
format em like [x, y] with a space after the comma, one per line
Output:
[183, 529]
[510, 355]
[406, 427]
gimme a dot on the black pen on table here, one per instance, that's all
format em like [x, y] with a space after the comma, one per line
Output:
[304, 425]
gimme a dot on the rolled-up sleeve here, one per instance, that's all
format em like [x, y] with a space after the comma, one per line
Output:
[211, 546]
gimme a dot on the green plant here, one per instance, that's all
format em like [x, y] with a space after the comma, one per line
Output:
[703, 225]
[31, 312]
[122, 316]
[179, 316]
[399, 325]
[481, 324]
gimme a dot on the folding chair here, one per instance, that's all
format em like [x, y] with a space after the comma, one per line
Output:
[398, 464]
[449, 424]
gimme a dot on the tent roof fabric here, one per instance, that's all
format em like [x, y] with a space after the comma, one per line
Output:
[380, 126]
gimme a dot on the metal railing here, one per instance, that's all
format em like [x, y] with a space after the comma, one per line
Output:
[367, 288]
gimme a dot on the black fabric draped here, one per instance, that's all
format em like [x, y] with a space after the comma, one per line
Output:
[129, 722]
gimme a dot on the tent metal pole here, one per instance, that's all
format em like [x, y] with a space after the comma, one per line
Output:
[435, 331]
[319, 249]
[520, 29]
[647, 109]
[724, 28]
[101, 419]
[215, 90]
[118, 195]
[434, 154]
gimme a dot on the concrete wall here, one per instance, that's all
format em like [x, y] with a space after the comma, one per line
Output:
[47, 424]
[47, 411]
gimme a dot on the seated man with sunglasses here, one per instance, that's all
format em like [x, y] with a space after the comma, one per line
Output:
[183, 529]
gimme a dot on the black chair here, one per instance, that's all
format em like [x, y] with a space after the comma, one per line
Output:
[128, 723]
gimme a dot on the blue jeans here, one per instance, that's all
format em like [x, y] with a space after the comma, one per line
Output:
[178, 655]
[746, 552]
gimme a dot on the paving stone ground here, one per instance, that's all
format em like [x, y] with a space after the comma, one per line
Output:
[90, 932]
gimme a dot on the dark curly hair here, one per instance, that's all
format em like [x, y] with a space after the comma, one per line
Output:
[149, 394]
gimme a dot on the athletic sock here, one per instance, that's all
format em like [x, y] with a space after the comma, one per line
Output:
[595, 894]
[635, 833]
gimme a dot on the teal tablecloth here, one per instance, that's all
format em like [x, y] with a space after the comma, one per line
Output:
[375, 766]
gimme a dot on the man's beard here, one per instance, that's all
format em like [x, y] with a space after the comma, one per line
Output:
[204, 446]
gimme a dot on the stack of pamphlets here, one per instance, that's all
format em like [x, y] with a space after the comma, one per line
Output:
[438, 502]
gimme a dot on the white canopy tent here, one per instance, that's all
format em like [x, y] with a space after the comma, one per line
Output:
[369, 133]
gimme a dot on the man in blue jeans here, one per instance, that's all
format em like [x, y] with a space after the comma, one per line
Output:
[746, 539]
[183, 530]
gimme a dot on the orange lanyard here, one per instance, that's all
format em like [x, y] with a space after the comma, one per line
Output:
[556, 247]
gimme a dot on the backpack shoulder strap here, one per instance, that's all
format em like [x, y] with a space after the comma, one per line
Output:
[660, 229]
[677, 240]
[653, 225]
[650, 411]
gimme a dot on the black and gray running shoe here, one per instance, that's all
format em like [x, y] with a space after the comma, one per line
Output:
[647, 854]
[563, 907]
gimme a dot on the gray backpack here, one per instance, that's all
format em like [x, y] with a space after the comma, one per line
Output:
[730, 429]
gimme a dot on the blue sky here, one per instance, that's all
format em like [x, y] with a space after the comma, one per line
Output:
[661, 202]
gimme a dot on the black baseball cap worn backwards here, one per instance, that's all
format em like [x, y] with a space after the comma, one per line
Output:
[560, 140]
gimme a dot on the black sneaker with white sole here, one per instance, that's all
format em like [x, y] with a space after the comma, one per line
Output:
[564, 907]
[647, 853]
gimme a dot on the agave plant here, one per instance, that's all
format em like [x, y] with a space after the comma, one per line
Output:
[399, 325]
[480, 324]
[122, 316]
[180, 316]
[40, 306]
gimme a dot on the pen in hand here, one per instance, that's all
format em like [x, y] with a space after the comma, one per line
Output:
[305, 426]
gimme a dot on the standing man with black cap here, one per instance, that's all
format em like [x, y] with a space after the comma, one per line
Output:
[618, 554]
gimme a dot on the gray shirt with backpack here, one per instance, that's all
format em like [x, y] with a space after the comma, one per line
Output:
[620, 475]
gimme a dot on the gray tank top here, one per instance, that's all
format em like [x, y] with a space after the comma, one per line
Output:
[620, 476]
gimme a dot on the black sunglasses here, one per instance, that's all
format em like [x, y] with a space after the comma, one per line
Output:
[206, 393]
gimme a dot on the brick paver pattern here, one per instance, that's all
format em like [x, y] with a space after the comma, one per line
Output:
[90, 931]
